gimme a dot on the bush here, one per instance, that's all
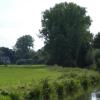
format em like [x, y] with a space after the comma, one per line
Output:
[95, 79]
[24, 61]
[59, 90]
[33, 94]
[98, 63]
[71, 85]
[85, 82]
[89, 58]
[46, 90]
[97, 58]
[4, 92]
[14, 96]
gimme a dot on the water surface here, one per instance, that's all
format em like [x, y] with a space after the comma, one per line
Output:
[94, 95]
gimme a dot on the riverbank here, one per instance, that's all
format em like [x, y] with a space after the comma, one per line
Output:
[46, 83]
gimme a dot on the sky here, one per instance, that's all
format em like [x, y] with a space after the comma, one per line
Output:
[21, 17]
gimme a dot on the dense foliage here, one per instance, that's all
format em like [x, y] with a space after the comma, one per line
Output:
[96, 42]
[68, 41]
[97, 58]
[65, 30]
[51, 83]
[6, 55]
[96, 46]
[23, 47]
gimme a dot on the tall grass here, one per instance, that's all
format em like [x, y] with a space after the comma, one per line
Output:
[69, 82]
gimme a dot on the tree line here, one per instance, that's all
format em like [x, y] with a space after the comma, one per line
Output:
[68, 40]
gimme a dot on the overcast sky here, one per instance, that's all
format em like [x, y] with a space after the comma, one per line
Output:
[20, 17]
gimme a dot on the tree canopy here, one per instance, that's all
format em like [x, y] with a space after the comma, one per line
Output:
[6, 54]
[23, 46]
[63, 27]
[96, 42]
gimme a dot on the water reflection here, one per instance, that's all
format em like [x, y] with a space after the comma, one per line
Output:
[95, 95]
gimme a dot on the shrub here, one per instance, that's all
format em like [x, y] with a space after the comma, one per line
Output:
[97, 57]
[98, 63]
[14, 96]
[59, 90]
[46, 89]
[89, 58]
[85, 82]
[95, 79]
[71, 85]
[33, 94]
[24, 61]
[4, 92]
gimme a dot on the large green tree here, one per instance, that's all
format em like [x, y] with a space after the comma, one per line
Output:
[63, 28]
[96, 45]
[96, 42]
[85, 55]
[6, 54]
[23, 47]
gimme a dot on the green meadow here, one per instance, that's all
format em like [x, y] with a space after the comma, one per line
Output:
[13, 75]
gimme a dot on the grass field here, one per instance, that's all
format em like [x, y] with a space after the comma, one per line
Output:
[15, 75]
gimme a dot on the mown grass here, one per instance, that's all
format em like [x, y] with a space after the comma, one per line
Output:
[40, 82]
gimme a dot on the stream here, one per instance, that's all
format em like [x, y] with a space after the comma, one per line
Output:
[95, 95]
